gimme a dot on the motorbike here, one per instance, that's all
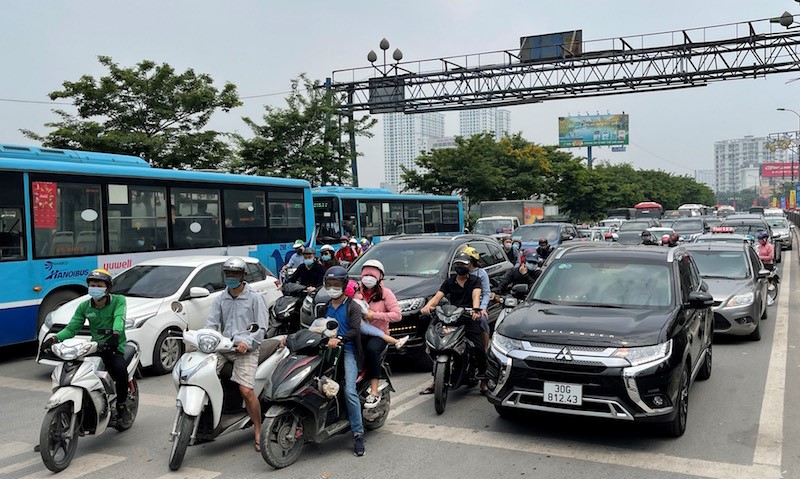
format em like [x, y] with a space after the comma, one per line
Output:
[773, 280]
[84, 399]
[208, 405]
[284, 314]
[451, 351]
[307, 404]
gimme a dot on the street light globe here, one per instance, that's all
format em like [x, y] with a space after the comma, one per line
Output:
[372, 56]
[397, 55]
[384, 44]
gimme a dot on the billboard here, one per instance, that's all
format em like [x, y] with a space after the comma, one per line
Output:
[778, 170]
[593, 130]
[551, 46]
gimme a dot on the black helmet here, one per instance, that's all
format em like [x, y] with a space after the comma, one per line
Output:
[462, 258]
[100, 275]
[336, 272]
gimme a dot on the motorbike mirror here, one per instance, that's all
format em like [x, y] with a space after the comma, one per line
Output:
[252, 327]
[764, 273]
[331, 325]
[519, 290]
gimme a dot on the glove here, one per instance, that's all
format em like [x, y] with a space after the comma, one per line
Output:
[48, 343]
[112, 343]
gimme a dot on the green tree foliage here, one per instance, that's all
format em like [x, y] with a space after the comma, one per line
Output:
[148, 110]
[304, 140]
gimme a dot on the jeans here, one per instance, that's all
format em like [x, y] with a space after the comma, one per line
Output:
[350, 393]
[370, 330]
[373, 348]
[116, 367]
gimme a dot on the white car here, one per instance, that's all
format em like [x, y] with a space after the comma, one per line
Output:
[164, 295]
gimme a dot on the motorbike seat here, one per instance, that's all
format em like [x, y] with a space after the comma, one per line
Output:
[130, 351]
[267, 349]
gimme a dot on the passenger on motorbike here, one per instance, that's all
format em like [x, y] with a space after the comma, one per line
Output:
[526, 273]
[512, 254]
[766, 252]
[104, 311]
[544, 248]
[232, 313]
[463, 290]
[296, 259]
[326, 257]
[347, 253]
[310, 273]
[486, 291]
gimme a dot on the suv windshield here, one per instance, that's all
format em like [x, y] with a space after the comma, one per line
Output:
[528, 234]
[151, 281]
[778, 223]
[634, 226]
[690, 226]
[405, 258]
[721, 264]
[490, 227]
[607, 283]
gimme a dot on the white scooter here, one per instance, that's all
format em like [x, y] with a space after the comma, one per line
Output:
[210, 405]
[84, 399]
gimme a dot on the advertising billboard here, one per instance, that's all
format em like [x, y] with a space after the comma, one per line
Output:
[778, 170]
[593, 130]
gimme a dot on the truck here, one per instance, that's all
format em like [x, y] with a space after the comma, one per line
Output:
[526, 211]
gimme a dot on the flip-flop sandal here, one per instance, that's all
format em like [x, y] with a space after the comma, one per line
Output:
[427, 390]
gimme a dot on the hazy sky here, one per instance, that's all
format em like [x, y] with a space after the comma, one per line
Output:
[261, 45]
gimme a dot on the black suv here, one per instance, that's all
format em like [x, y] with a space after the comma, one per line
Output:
[416, 266]
[616, 333]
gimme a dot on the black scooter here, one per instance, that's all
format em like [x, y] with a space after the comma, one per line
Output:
[284, 314]
[451, 351]
[307, 396]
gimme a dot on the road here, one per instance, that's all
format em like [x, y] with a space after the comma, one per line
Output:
[741, 425]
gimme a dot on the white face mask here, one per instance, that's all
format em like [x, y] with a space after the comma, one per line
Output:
[334, 293]
[369, 281]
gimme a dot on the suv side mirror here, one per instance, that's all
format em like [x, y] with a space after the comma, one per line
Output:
[763, 273]
[198, 292]
[519, 291]
[700, 299]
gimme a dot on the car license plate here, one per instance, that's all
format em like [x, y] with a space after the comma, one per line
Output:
[562, 393]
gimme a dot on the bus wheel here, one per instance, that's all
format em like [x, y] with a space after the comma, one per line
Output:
[53, 302]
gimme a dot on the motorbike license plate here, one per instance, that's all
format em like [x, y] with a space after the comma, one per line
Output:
[563, 393]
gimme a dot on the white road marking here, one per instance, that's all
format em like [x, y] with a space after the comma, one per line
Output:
[81, 466]
[14, 448]
[20, 465]
[396, 411]
[158, 400]
[190, 473]
[591, 453]
[769, 443]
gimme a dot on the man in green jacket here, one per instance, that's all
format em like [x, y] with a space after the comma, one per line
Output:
[104, 312]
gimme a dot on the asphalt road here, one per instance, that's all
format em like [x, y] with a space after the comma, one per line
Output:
[741, 425]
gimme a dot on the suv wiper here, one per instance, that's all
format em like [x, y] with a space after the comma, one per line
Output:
[598, 305]
[543, 301]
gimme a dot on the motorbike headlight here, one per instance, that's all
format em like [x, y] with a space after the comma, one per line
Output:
[48, 320]
[411, 304]
[137, 321]
[645, 354]
[744, 299]
[66, 352]
[207, 343]
[505, 344]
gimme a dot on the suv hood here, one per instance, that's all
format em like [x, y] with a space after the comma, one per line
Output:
[576, 325]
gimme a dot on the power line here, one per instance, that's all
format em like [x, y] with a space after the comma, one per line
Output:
[661, 157]
[41, 102]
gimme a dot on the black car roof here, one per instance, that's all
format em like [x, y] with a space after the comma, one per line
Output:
[440, 239]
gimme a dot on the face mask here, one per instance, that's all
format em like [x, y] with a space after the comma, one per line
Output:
[515, 247]
[334, 293]
[506, 246]
[369, 282]
[232, 283]
[461, 270]
[343, 245]
[308, 262]
[531, 265]
[326, 257]
[140, 243]
[97, 292]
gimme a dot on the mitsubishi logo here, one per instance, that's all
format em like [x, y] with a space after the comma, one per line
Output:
[564, 355]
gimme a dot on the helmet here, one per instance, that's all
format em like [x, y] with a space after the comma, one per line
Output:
[309, 250]
[364, 241]
[471, 252]
[375, 264]
[100, 275]
[343, 238]
[326, 247]
[234, 264]
[299, 244]
[532, 257]
[462, 258]
[763, 235]
[336, 272]
[353, 241]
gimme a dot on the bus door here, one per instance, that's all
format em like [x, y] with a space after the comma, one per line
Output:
[326, 219]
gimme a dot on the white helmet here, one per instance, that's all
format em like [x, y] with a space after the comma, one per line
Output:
[234, 264]
[375, 264]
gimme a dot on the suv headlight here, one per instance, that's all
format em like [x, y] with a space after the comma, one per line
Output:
[137, 321]
[411, 304]
[505, 344]
[645, 354]
[742, 299]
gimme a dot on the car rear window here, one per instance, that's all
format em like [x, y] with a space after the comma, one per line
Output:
[721, 264]
[530, 234]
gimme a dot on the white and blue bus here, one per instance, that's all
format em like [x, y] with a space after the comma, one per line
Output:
[64, 213]
[358, 212]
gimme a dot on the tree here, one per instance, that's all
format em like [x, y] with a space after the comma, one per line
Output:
[303, 140]
[147, 111]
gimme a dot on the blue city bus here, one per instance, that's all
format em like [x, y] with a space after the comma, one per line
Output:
[348, 211]
[64, 213]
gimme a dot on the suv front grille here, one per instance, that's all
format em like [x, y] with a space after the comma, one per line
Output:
[556, 365]
[720, 323]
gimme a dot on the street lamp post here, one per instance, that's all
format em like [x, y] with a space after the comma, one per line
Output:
[797, 140]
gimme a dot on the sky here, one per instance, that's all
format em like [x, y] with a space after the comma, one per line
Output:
[261, 45]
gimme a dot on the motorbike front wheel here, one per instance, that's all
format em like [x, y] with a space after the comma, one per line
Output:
[772, 292]
[57, 443]
[440, 387]
[281, 440]
[181, 441]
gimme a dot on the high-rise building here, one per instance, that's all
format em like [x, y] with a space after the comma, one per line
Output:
[705, 177]
[486, 120]
[731, 156]
[404, 137]
[443, 142]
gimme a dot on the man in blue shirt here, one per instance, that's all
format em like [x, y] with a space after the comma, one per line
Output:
[348, 315]
[296, 259]
[486, 291]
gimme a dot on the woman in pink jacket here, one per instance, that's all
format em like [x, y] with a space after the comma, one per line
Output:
[382, 310]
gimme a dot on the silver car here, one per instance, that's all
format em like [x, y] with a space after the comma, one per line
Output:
[738, 281]
[780, 231]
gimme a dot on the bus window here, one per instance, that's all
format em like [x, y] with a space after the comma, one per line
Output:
[137, 218]
[433, 217]
[195, 221]
[286, 217]
[245, 209]
[66, 219]
[392, 218]
[412, 218]
[326, 218]
[450, 217]
[370, 219]
[12, 225]
[349, 217]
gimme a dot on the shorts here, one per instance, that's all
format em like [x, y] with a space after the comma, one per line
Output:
[244, 367]
[484, 323]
